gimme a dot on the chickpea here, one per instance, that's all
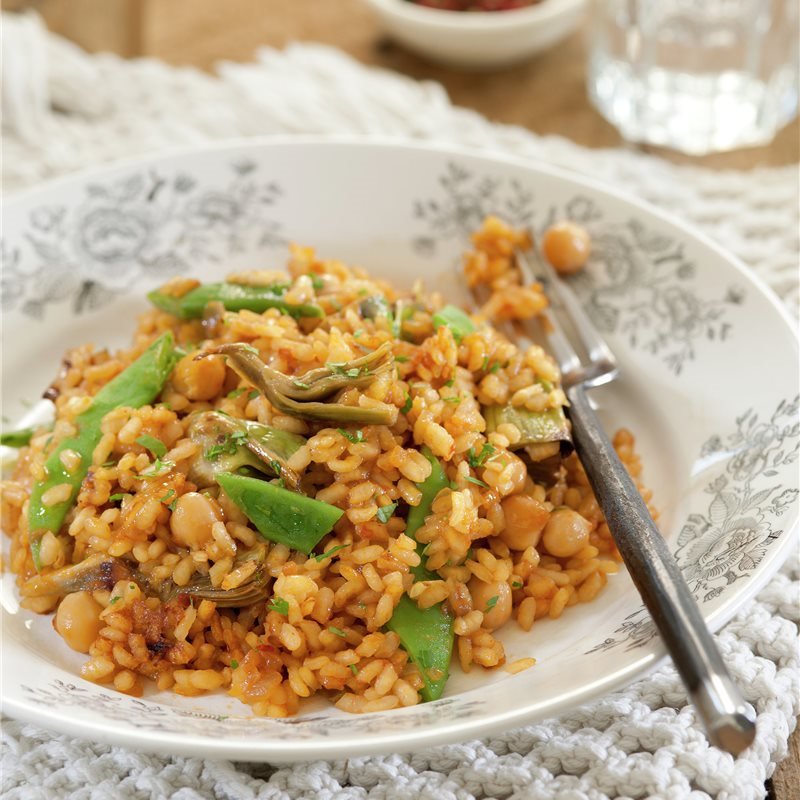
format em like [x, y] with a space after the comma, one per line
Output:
[525, 521]
[199, 379]
[566, 246]
[192, 519]
[78, 620]
[495, 612]
[566, 533]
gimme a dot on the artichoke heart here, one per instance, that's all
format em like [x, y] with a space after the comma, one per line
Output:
[306, 396]
[543, 434]
[102, 571]
[228, 444]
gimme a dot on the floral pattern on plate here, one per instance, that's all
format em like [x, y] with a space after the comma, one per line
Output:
[640, 283]
[146, 225]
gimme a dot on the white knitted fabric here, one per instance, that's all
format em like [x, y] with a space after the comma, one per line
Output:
[636, 743]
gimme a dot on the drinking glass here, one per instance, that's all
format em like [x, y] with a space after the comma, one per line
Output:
[698, 76]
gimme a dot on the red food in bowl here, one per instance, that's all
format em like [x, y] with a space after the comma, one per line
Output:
[475, 5]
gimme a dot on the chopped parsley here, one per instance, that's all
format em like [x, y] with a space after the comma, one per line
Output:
[401, 359]
[491, 602]
[155, 446]
[115, 497]
[300, 384]
[516, 584]
[477, 481]
[545, 384]
[275, 466]
[167, 497]
[278, 604]
[353, 668]
[157, 470]
[454, 399]
[237, 392]
[253, 394]
[227, 446]
[337, 631]
[356, 437]
[316, 281]
[385, 512]
[480, 459]
[450, 382]
[329, 553]
[359, 332]
[340, 368]
[115, 599]
[234, 663]
[495, 367]
[408, 404]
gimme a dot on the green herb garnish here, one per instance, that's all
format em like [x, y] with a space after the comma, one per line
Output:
[329, 553]
[385, 512]
[480, 459]
[356, 437]
[278, 604]
[491, 602]
[337, 631]
[234, 663]
[477, 481]
[408, 404]
[155, 446]
[456, 320]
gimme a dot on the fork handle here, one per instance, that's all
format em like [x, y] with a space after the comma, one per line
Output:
[728, 719]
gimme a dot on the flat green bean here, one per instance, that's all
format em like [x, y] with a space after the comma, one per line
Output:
[234, 297]
[137, 385]
[426, 634]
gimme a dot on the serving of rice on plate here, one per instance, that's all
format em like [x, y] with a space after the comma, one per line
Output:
[325, 485]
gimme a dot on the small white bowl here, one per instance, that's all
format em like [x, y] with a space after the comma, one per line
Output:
[479, 40]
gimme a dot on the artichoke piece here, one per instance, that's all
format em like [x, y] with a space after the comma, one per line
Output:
[253, 589]
[101, 571]
[302, 396]
[228, 444]
[543, 433]
[374, 307]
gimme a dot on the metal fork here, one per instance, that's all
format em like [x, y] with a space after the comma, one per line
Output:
[728, 719]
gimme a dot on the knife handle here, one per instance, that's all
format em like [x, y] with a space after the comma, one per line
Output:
[728, 719]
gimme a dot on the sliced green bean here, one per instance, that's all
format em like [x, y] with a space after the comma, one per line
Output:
[19, 438]
[425, 634]
[456, 320]
[137, 385]
[281, 516]
[234, 297]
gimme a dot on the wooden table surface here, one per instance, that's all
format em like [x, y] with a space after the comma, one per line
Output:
[546, 95]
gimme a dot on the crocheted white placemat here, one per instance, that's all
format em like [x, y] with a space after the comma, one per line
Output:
[636, 743]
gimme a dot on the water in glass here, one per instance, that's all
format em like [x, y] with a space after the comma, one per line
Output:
[695, 76]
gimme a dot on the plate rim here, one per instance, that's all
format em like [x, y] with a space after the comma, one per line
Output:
[191, 744]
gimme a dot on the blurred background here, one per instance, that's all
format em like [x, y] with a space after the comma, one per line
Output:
[546, 93]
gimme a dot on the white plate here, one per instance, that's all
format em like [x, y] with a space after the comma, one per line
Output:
[709, 387]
